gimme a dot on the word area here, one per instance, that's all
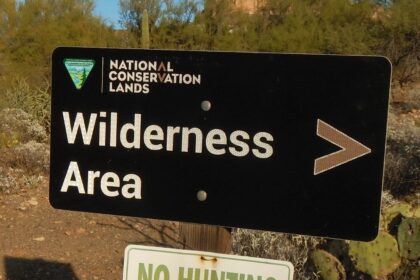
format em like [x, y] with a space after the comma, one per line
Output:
[109, 183]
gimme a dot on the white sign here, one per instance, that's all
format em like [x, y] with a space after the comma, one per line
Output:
[153, 263]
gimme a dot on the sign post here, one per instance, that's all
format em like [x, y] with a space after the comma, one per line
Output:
[205, 237]
[280, 142]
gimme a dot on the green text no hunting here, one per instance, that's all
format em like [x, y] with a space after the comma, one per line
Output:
[161, 272]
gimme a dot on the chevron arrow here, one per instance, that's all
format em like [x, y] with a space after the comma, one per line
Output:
[350, 148]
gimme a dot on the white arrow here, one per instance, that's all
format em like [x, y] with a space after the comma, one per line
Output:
[350, 148]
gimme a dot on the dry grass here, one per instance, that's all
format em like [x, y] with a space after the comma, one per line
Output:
[278, 246]
[402, 173]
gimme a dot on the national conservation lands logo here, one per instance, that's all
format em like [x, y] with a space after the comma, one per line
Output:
[139, 76]
[129, 75]
[79, 70]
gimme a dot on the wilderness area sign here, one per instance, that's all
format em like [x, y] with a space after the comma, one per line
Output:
[281, 142]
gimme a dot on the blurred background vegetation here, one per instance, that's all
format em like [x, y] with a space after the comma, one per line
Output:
[31, 29]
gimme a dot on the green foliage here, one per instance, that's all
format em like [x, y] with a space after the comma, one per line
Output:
[171, 23]
[377, 258]
[39, 26]
[409, 238]
[329, 267]
[29, 32]
[173, 35]
[145, 40]
[7, 19]
[415, 273]
[8, 139]
[132, 12]
[315, 26]
[400, 39]
[33, 100]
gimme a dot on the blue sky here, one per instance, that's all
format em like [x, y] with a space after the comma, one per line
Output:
[109, 10]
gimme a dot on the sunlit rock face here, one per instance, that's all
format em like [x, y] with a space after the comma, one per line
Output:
[249, 6]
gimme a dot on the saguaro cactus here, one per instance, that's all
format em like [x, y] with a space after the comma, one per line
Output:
[145, 38]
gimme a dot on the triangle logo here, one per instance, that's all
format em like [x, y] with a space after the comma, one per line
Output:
[79, 70]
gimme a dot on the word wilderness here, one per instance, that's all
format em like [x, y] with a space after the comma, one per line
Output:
[131, 135]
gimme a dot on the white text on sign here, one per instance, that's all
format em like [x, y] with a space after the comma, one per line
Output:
[103, 129]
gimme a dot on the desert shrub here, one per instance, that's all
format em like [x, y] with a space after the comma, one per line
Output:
[8, 183]
[280, 246]
[387, 200]
[402, 163]
[407, 97]
[33, 100]
[414, 98]
[13, 180]
[17, 126]
[22, 143]
[32, 157]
